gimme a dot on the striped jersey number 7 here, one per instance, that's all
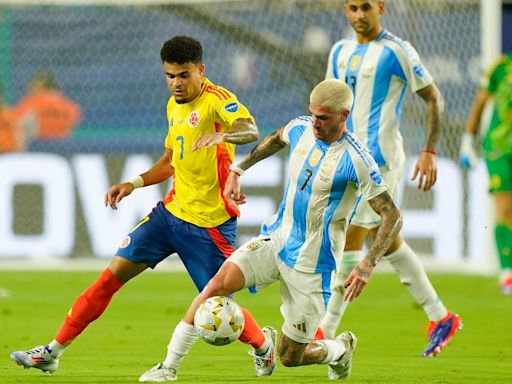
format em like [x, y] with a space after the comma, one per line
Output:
[310, 173]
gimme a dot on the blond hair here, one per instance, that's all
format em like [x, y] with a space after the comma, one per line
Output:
[332, 94]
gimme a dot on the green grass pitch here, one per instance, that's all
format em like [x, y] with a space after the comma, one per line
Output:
[133, 333]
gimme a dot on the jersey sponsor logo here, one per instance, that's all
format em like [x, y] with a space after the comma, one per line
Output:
[231, 107]
[193, 119]
[315, 157]
[126, 242]
[376, 176]
[418, 70]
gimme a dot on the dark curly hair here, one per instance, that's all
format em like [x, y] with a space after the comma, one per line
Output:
[181, 50]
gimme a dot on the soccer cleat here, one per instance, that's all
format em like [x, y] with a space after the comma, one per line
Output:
[440, 333]
[340, 369]
[506, 286]
[159, 374]
[266, 362]
[38, 357]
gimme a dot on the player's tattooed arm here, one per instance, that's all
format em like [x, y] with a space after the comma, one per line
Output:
[389, 229]
[391, 223]
[243, 131]
[267, 147]
[435, 109]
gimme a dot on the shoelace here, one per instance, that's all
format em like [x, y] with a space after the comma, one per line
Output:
[37, 350]
[260, 360]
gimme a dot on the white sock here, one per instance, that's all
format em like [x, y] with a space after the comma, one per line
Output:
[333, 315]
[349, 261]
[335, 349]
[264, 347]
[412, 274]
[57, 349]
[182, 339]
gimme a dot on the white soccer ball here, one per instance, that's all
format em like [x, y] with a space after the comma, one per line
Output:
[219, 320]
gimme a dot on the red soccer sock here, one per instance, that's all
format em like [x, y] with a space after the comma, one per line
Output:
[319, 334]
[252, 333]
[88, 307]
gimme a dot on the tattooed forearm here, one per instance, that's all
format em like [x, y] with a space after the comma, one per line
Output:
[435, 109]
[244, 131]
[389, 229]
[268, 146]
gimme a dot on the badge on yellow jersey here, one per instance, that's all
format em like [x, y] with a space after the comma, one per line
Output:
[193, 119]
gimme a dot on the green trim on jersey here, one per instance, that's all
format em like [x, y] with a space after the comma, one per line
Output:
[498, 82]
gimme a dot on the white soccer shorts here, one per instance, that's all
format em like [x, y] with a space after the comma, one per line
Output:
[365, 216]
[304, 297]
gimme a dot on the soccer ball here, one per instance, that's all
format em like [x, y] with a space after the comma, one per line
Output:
[219, 320]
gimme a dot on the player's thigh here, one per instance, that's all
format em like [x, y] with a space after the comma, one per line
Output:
[257, 261]
[204, 250]
[364, 216]
[147, 242]
[305, 297]
[503, 206]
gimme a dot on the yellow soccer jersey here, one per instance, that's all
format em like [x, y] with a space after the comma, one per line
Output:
[200, 176]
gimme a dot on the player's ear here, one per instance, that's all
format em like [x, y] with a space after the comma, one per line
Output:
[381, 7]
[344, 114]
[202, 69]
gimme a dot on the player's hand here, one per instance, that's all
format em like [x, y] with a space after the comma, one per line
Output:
[467, 154]
[208, 140]
[426, 171]
[232, 191]
[357, 280]
[116, 193]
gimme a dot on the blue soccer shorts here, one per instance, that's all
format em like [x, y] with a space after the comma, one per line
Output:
[160, 234]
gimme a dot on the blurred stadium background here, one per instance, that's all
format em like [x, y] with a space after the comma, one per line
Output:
[105, 55]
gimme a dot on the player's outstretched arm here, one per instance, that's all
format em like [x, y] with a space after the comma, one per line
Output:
[267, 147]
[271, 144]
[159, 172]
[391, 224]
[244, 131]
[426, 169]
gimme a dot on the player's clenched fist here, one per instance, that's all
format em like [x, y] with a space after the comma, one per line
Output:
[116, 193]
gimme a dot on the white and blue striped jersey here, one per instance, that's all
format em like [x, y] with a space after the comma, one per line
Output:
[378, 73]
[325, 183]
